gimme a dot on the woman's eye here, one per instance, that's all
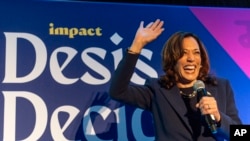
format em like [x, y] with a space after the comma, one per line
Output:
[197, 52]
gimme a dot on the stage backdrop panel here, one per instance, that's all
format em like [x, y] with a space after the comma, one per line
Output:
[57, 58]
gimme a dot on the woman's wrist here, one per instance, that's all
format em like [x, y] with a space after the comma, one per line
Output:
[132, 51]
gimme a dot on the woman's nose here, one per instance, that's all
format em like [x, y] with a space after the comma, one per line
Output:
[190, 57]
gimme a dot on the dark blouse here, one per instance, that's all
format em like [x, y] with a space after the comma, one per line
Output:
[193, 114]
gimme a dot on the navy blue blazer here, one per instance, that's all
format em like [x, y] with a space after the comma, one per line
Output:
[167, 106]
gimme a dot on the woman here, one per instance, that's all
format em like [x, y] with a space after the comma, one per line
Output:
[178, 111]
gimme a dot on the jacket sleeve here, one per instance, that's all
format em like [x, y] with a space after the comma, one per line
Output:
[229, 115]
[122, 90]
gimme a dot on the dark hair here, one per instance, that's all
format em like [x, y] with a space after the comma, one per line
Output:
[172, 51]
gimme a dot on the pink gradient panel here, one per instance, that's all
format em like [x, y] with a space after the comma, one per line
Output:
[231, 28]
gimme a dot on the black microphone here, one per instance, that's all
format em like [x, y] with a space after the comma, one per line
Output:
[199, 87]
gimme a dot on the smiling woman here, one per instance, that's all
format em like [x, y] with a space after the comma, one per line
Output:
[184, 59]
[179, 112]
[188, 66]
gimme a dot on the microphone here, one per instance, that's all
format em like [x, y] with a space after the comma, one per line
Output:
[199, 87]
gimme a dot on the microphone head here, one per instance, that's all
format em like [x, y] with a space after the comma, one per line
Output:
[198, 85]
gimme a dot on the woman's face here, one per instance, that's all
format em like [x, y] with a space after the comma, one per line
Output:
[188, 66]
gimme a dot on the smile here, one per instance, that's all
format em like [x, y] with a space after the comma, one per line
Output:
[189, 68]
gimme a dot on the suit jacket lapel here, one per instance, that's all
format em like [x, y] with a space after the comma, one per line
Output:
[177, 103]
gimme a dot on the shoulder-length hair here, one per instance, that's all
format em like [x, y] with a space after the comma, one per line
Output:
[173, 50]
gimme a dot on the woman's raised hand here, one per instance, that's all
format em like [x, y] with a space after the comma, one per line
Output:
[144, 35]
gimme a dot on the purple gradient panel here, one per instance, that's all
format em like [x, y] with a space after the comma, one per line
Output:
[231, 28]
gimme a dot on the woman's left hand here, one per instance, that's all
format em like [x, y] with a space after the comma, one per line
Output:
[208, 105]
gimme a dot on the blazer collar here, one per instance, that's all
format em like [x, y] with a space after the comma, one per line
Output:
[175, 99]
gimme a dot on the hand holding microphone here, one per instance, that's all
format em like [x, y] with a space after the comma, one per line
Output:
[207, 105]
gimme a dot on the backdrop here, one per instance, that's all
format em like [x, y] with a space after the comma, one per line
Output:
[57, 58]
